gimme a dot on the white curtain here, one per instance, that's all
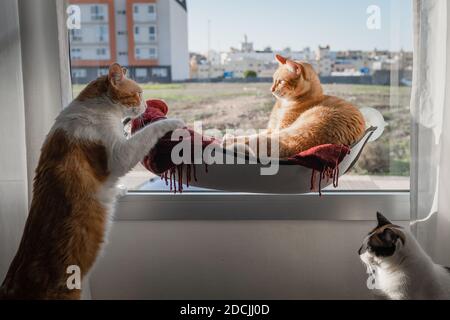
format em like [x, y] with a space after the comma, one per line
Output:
[431, 128]
[34, 87]
[13, 161]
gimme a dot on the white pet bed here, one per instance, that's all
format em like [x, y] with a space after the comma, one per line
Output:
[291, 179]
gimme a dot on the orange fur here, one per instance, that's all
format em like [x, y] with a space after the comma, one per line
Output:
[119, 88]
[67, 221]
[303, 117]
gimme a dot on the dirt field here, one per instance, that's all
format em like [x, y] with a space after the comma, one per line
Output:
[248, 105]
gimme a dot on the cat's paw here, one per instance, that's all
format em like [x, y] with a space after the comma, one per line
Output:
[240, 148]
[228, 141]
[122, 190]
[170, 125]
[175, 123]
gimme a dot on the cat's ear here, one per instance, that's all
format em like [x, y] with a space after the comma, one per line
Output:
[293, 67]
[382, 220]
[297, 68]
[116, 73]
[281, 60]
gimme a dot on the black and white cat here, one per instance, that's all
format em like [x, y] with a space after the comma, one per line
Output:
[400, 268]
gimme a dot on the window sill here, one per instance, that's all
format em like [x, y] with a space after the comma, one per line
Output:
[332, 206]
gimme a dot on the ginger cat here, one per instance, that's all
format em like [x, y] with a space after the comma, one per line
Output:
[74, 193]
[303, 117]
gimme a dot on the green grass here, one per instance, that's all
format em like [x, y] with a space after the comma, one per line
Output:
[171, 86]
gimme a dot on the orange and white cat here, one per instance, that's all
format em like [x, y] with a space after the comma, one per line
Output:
[303, 117]
[74, 193]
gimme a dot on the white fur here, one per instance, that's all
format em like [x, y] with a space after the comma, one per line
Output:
[409, 274]
[285, 106]
[100, 120]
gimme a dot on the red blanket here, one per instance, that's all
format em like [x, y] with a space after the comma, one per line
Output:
[323, 159]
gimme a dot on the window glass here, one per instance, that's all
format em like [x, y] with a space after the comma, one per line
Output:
[144, 12]
[152, 33]
[141, 72]
[221, 62]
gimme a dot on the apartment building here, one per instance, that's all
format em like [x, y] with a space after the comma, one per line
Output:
[149, 37]
[324, 61]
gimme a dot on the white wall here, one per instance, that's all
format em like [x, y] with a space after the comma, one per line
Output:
[121, 39]
[13, 171]
[232, 260]
[164, 45]
[179, 42]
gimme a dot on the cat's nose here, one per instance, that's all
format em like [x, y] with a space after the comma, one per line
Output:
[273, 88]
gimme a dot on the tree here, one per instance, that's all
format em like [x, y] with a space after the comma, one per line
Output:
[250, 74]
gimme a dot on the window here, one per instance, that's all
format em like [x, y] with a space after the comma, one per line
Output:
[97, 13]
[79, 73]
[152, 53]
[102, 33]
[141, 73]
[76, 35]
[75, 53]
[143, 12]
[146, 53]
[101, 51]
[102, 72]
[350, 67]
[160, 72]
[152, 33]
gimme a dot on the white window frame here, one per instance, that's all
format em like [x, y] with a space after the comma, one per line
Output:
[332, 206]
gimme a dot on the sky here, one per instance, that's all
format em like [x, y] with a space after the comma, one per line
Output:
[299, 23]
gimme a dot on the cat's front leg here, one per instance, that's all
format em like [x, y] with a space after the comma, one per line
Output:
[241, 145]
[128, 153]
